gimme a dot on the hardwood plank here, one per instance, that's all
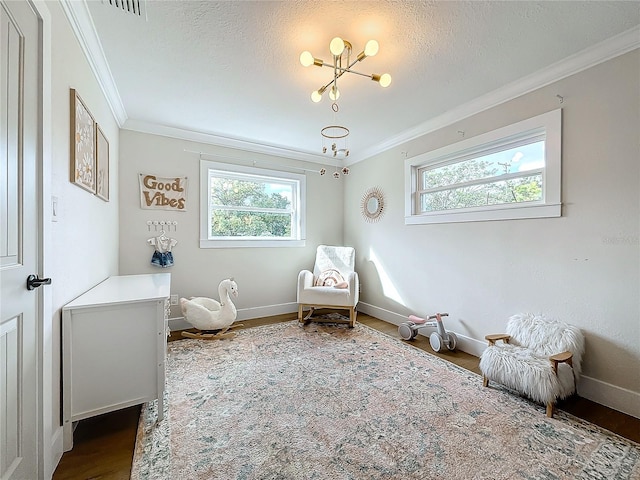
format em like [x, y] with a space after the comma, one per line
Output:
[103, 445]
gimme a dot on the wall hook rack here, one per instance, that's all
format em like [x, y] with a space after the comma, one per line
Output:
[162, 224]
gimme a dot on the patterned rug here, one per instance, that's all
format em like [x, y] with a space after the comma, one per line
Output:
[329, 402]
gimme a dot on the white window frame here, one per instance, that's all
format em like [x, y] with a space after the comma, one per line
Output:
[299, 206]
[547, 126]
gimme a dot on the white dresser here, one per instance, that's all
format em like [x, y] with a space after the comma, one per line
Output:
[114, 340]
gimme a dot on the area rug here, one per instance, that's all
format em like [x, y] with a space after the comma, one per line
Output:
[328, 402]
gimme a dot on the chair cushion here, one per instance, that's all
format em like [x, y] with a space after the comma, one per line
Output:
[328, 278]
[527, 372]
[546, 336]
[326, 296]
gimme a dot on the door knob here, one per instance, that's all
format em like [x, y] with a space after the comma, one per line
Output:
[34, 282]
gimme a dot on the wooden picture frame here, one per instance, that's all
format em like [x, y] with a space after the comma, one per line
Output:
[102, 165]
[82, 145]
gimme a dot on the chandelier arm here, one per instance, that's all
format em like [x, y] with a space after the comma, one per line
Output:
[354, 62]
[336, 77]
[348, 69]
[345, 70]
[356, 72]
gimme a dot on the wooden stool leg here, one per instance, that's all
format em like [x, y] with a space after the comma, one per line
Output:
[550, 409]
[485, 381]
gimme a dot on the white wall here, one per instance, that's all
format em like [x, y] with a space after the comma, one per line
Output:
[83, 246]
[582, 268]
[266, 277]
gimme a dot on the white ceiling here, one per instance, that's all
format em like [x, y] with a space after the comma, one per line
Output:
[230, 69]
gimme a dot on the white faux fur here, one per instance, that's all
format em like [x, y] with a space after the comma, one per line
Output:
[524, 365]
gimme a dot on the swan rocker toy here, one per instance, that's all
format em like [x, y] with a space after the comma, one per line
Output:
[211, 318]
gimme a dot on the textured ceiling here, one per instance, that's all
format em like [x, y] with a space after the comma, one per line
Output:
[231, 68]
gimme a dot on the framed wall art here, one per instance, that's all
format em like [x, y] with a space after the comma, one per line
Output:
[83, 144]
[102, 165]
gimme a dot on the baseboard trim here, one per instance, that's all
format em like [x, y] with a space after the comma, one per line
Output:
[179, 323]
[466, 344]
[55, 453]
[266, 311]
[612, 396]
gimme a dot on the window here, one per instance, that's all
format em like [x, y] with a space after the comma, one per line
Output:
[509, 173]
[250, 207]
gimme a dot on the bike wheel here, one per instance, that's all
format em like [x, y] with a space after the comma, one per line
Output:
[405, 331]
[436, 341]
[453, 341]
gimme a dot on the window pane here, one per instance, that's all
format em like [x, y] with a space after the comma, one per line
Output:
[515, 190]
[226, 223]
[518, 159]
[246, 193]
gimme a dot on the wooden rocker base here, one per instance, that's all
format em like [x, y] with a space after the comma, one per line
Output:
[212, 334]
[304, 320]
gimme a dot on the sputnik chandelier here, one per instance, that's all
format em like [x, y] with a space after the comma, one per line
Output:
[341, 52]
[336, 135]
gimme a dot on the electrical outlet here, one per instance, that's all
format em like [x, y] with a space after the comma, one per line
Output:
[174, 299]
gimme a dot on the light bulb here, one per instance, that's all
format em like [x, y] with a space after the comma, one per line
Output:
[371, 48]
[334, 93]
[336, 46]
[385, 80]
[306, 59]
[316, 96]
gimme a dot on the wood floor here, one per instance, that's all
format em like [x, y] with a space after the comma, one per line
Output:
[103, 445]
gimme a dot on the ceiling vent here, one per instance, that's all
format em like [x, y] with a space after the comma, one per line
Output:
[136, 7]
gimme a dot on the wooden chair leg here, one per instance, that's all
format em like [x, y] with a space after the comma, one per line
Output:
[300, 314]
[352, 317]
[550, 409]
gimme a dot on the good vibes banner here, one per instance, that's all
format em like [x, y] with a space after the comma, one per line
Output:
[163, 193]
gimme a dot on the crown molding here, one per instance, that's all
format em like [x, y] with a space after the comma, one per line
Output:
[79, 18]
[227, 142]
[587, 58]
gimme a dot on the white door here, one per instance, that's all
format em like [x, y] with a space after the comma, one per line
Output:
[19, 100]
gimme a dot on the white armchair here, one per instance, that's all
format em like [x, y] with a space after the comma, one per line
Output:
[537, 357]
[332, 284]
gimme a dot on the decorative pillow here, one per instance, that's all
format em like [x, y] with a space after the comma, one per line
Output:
[328, 278]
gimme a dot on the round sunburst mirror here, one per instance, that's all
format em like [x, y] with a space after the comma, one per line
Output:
[372, 204]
